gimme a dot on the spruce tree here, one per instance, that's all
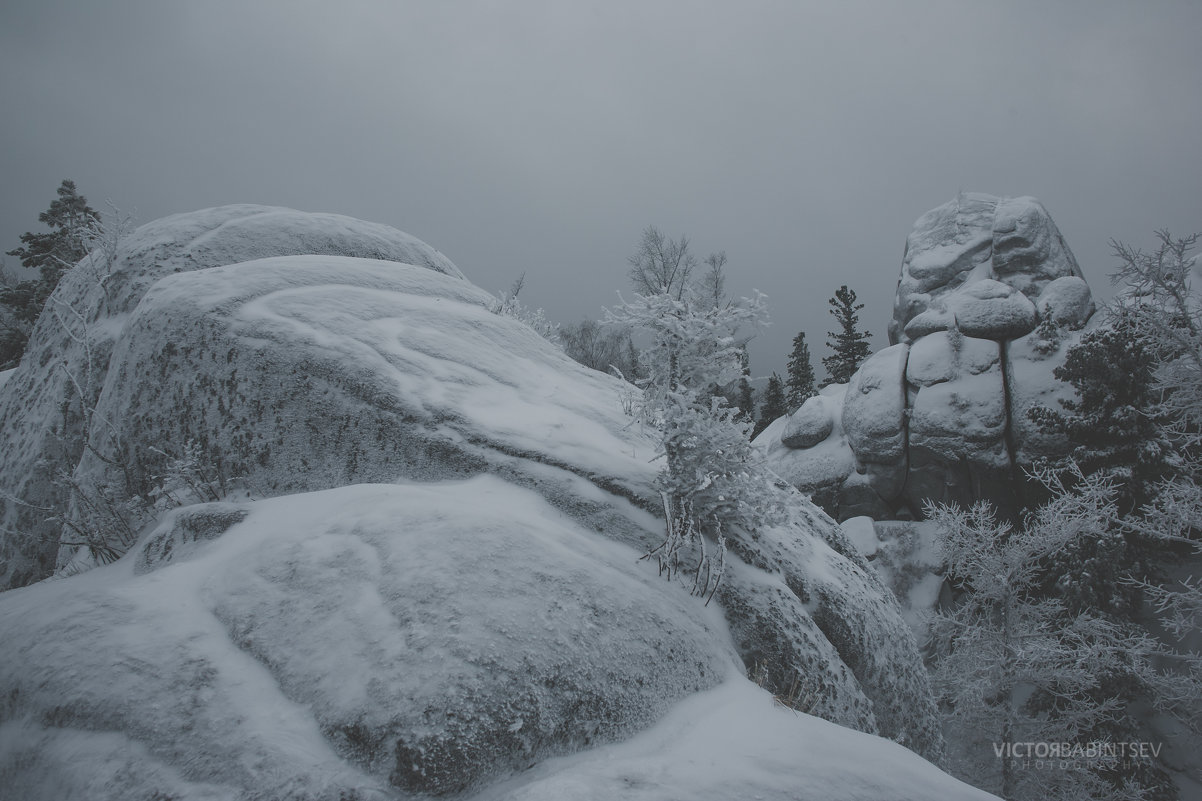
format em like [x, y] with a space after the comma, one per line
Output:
[71, 221]
[801, 373]
[1114, 424]
[849, 346]
[773, 406]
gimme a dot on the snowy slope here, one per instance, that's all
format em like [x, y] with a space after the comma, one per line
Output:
[374, 639]
[428, 635]
[734, 742]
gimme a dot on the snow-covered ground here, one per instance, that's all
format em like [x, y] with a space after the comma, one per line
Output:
[736, 742]
[376, 636]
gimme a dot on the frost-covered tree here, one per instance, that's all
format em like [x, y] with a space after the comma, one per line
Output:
[507, 304]
[661, 265]
[605, 348]
[708, 482]
[849, 345]
[773, 406]
[745, 398]
[713, 283]
[801, 373]
[1013, 665]
[1159, 295]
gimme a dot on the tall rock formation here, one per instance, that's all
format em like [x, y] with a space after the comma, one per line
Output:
[941, 415]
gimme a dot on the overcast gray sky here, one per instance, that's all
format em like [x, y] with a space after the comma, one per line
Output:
[542, 136]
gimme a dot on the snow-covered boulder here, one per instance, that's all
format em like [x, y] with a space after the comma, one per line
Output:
[284, 376]
[989, 309]
[874, 409]
[810, 424]
[45, 400]
[947, 420]
[972, 239]
[941, 356]
[1028, 250]
[736, 742]
[1067, 300]
[421, 637]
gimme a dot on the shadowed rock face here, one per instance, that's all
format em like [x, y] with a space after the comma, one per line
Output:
[979, 274]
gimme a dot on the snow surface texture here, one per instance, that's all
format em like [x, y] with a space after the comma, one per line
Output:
[67, 359]
[732, 743]
[428, 636]
[299, 374]
[941, 415]
[373, 639]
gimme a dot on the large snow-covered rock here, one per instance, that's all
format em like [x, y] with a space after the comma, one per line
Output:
[947, 421]
[283, 376]
[979, 238]
[423, 637]
[44, 401]
[874, 409]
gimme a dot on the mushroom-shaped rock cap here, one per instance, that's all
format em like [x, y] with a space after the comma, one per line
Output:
[973, 238]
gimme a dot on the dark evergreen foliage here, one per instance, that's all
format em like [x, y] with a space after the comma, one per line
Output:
[1115, 425]
[801, 373]
[849, 346]
[774, 404]
[70, 219]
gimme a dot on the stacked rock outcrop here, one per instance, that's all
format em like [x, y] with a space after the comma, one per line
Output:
[941, 414]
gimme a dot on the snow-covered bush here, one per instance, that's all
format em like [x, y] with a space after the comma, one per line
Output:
[711, 482]
[507, 304]
[1013, 664]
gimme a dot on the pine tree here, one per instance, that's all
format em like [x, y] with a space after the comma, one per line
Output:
[801, 373]
[849, 346]
[1114, 425]
[774, 405]
[72, 222]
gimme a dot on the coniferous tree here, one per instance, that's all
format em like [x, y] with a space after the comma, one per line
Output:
[849, 346]
[801, 373]
[1114, 425]
[72, 222]
[745, 399]
[774, 404]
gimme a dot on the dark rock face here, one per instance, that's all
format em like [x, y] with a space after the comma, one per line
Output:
[941, 414]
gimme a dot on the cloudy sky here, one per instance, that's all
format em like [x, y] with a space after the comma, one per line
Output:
[541, 136]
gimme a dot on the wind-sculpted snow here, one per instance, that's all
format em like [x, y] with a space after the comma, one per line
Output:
[44, 401]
